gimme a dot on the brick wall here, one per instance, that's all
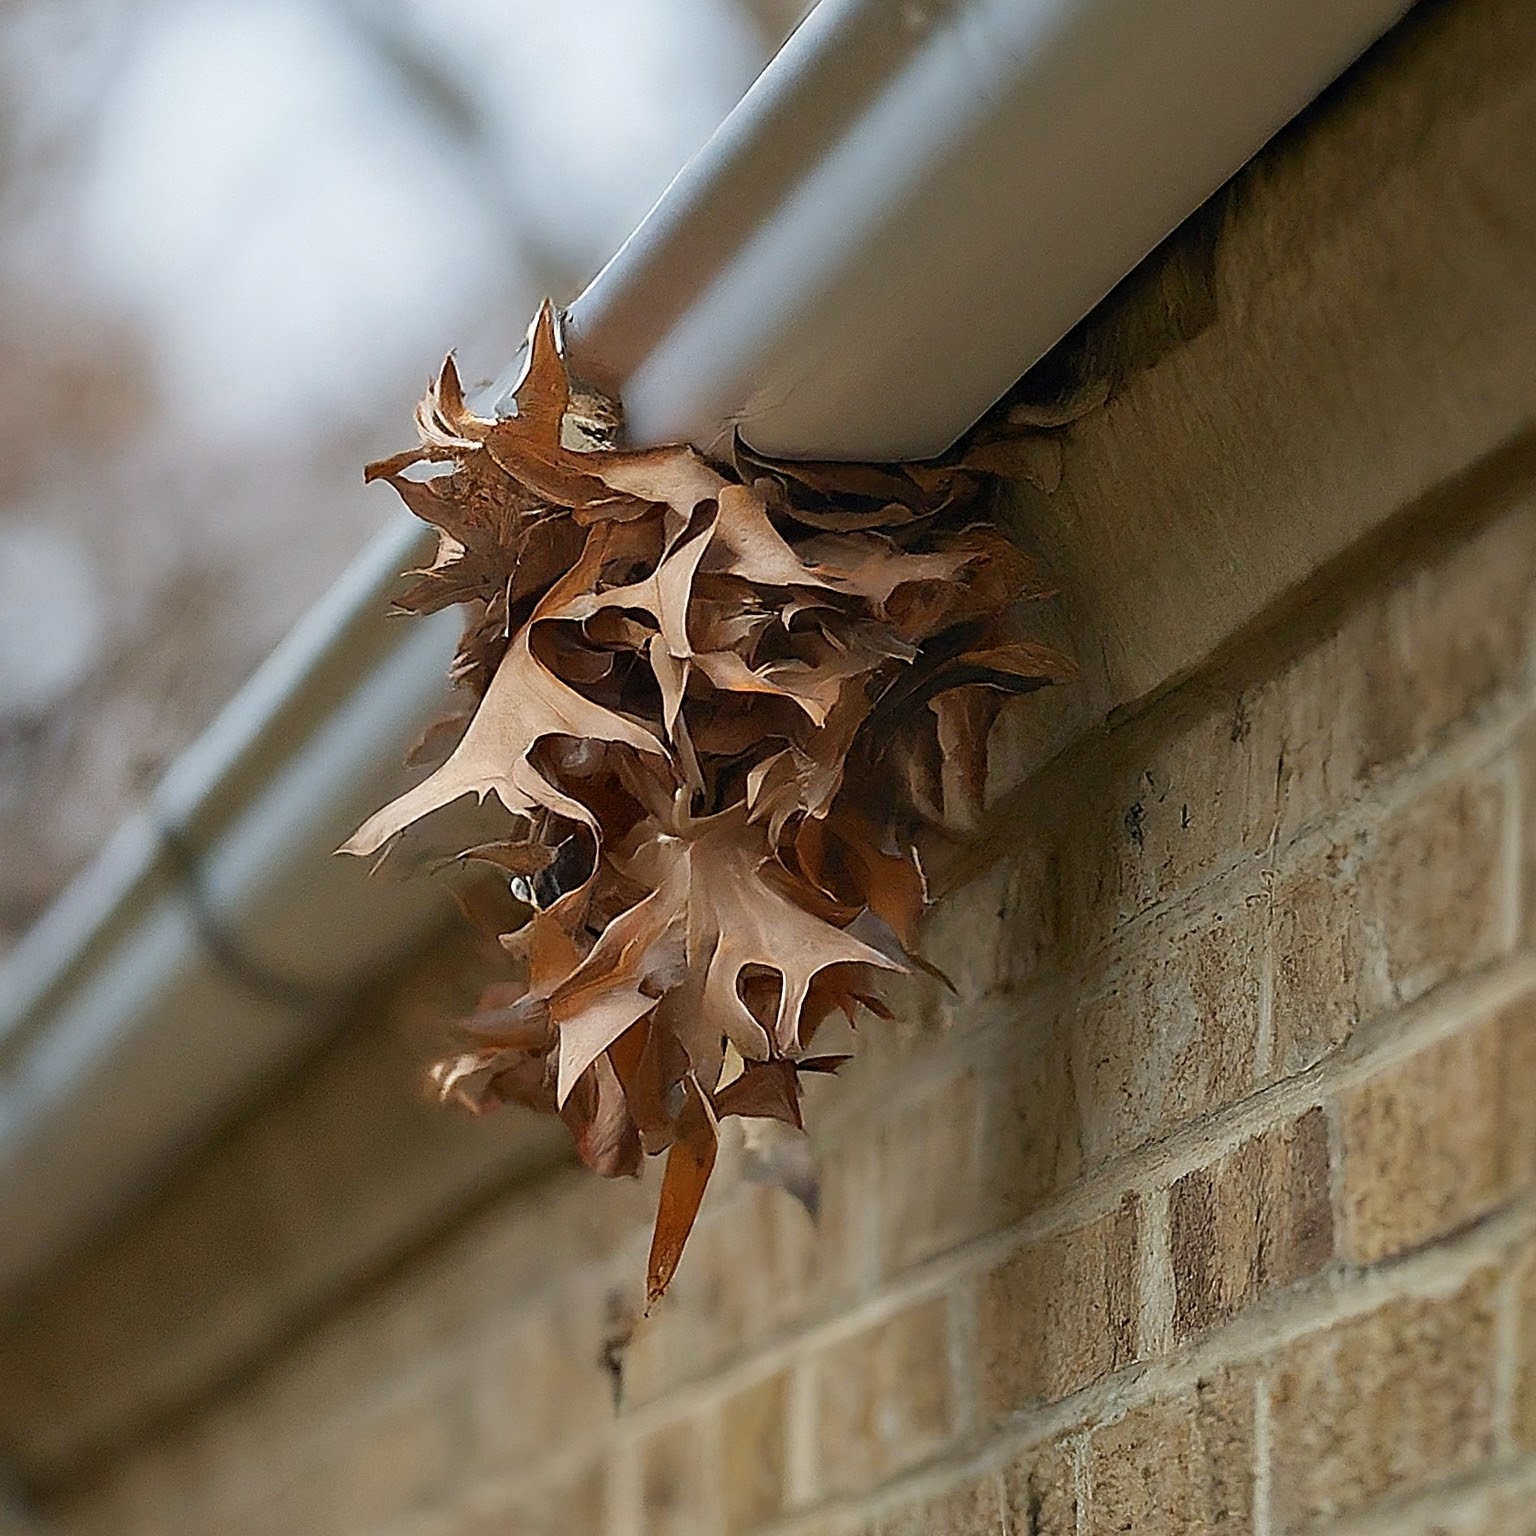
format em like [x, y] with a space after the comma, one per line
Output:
[1205, 1203]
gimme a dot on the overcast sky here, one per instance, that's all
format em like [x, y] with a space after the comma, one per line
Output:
[236, 239]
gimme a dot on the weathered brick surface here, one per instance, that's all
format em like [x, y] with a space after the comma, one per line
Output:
[538, 1384]
[675, 1480]
[1258, 1218]
[931, 1153]
[885, 1397]
[1171, 801]
[1040, 1491]
[684, 1340]
[965, 1511]
[753, 1423]
[1058, 1313]
[1282, 876]
[1398, 672]
[778, 1254]
[1032, 1137]
[1177, 1464]
[395, 1462]
[1433, 881]
[1172, 1035]
[1391, 1401]
[1328, 974]
[1442, 1138]
[1524, 1406]
[570, 1505]
[1509, 1511]
[996, 930]
[1525, 778]
[1451, 635]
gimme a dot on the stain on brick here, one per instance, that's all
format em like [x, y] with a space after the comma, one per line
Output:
[1040, 1492]
[1163, 805]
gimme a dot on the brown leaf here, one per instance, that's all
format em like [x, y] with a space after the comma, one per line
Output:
[965, 717]
[689, 1165]
[515, 858]
[718, 706]
[765, 1089]
[525, 703]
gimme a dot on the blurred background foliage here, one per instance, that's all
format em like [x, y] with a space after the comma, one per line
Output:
[236, 237]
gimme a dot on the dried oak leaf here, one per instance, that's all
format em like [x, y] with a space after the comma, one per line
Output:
[715, 704]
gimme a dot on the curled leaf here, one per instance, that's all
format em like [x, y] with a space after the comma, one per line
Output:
[714, 708]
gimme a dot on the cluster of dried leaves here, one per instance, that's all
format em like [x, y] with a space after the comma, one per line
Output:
[717, 704]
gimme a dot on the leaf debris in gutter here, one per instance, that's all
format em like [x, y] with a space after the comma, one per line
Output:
[718, 704]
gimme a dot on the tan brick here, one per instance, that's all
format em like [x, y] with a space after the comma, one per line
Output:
[1327, 976]
[1492, 1511]
[131, 1496]
[1450, 636]
[853, 1187]
[996, 929]
[1058, 1313]
[1527, 781]
[1385, 916]
[1436, 1141]
[574, 1504]
[1173, 1036]
[395, 1462]
[1163, 803]
[1398, 672]
[931, 1196]
[1307, 725]
[688, 1334]
[973, 1509]
[752, 1434]
[1177, 1464]
[1040, 1492]
[1258, 1218]
[540, 1378]
[1524, 1281]
[675, 1481]
[884, 1398]
[307, 1503]
[1032, 1136]
[778, 1250]
[1388, 1402]
[863, 1524]
[1432, 881]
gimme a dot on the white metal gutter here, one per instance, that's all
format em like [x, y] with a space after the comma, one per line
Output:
[918, 198]
[215, 935]
[913, 203]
